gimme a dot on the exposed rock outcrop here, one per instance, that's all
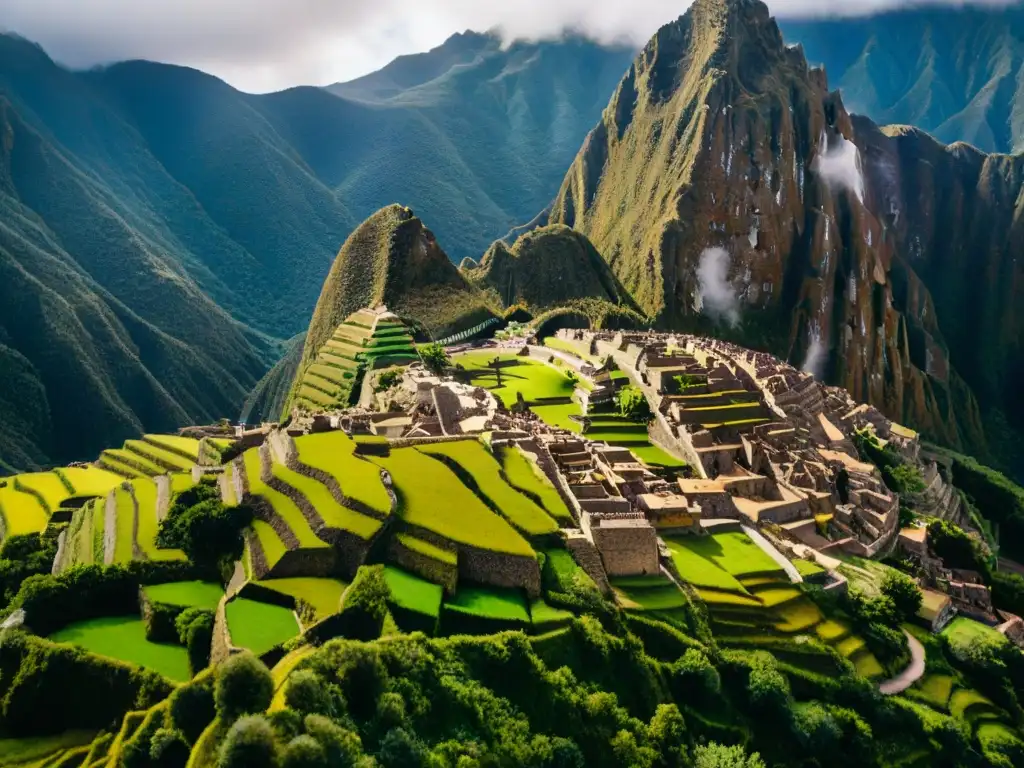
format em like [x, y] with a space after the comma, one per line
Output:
[726, 182]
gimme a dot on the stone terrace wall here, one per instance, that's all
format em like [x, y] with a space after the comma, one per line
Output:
[445, 574]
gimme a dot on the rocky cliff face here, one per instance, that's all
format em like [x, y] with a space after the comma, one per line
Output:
[726, 182]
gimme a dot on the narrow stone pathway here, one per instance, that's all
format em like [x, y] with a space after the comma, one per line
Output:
[910, 675]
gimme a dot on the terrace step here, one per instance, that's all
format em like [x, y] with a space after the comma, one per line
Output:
[166, 460]
[172, 446]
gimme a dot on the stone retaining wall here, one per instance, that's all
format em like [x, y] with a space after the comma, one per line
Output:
[485, 566]
[431, 569]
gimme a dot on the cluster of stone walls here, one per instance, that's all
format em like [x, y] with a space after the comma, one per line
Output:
[431, 569]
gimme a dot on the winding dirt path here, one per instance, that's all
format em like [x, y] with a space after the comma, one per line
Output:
[910, 675]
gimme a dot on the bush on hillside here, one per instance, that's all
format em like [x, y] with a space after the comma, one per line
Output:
[49, 688]
[243, 686]
[632, 404]
[307, 694]
[365, 607]
[720, 756]
[192, 708]
[342, 747]
[23, 556]
[1008, 591]
[194, 630]
[168, 749]
[435, 358]
[957, 550]
[904, 593]
[250, 743]
[304, 752]
[203, 527]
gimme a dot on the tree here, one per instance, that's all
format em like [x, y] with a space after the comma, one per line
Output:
[244, 686]
[341, 746]
[168, 749]
[666, 734]
[955, 547]
[401, 749]
[249, 744]
[435, 358]
[192, 709]
[632, 403]
[307, 694]
[904, 593]
[719, 756]
[304, 752]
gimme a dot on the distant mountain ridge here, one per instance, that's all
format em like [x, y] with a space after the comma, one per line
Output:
[207, 218]
[956, 72]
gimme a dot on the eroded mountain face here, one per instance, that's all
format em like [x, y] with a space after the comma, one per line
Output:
[726, 179]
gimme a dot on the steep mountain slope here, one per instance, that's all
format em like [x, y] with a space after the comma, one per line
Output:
[545, 268]
[957, 73]
[393, 259]
[725, 177]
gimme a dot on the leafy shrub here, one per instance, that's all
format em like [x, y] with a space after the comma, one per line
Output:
[160, 623]
[304, 752]
[200, 524]
[435, 358]
[342, 747]
[718, 756]
[632, 404]
[401, 749]
[22, 556]
[192, 708]
[168, 749]
[365, 606]
[249, 744]
[243, 686]
[194, 628]
[387, 380]
[904, 593]
[307, 693]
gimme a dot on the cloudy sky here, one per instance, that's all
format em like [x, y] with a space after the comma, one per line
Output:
[264, 45]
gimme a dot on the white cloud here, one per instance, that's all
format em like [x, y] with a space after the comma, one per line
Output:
[262, 45]
[839, 165]
[717, 295]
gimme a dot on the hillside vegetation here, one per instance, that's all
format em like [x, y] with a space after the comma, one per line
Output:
[952, 72]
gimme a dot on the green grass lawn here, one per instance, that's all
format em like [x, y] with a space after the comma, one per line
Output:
[333, 513]
[966, 632]
[545, 616]
[145, 495]
[332, 452]
[191, 594]
[48, 485]
[477, 461]
[698, 569]
[259, 626]
[490, 603]
[273, 547]
[934, 690]
[433, 497]
[29, 750]
[181, 482]
[23, 513]
[413, 593]
[524, 474]
[91, 481]
[427, 549]
[558, 416]
[734, 552]
[618, 430]
[561, 572]
[648, 593]
[807, 568]
[124, 521]
[577, 350]
[124, 638]
[321, 593]
[282, 505]
[188, 446]
[532, 378]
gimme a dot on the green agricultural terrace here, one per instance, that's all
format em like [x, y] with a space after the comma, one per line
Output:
[472, 458]
[753, 605]
[445, 506]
